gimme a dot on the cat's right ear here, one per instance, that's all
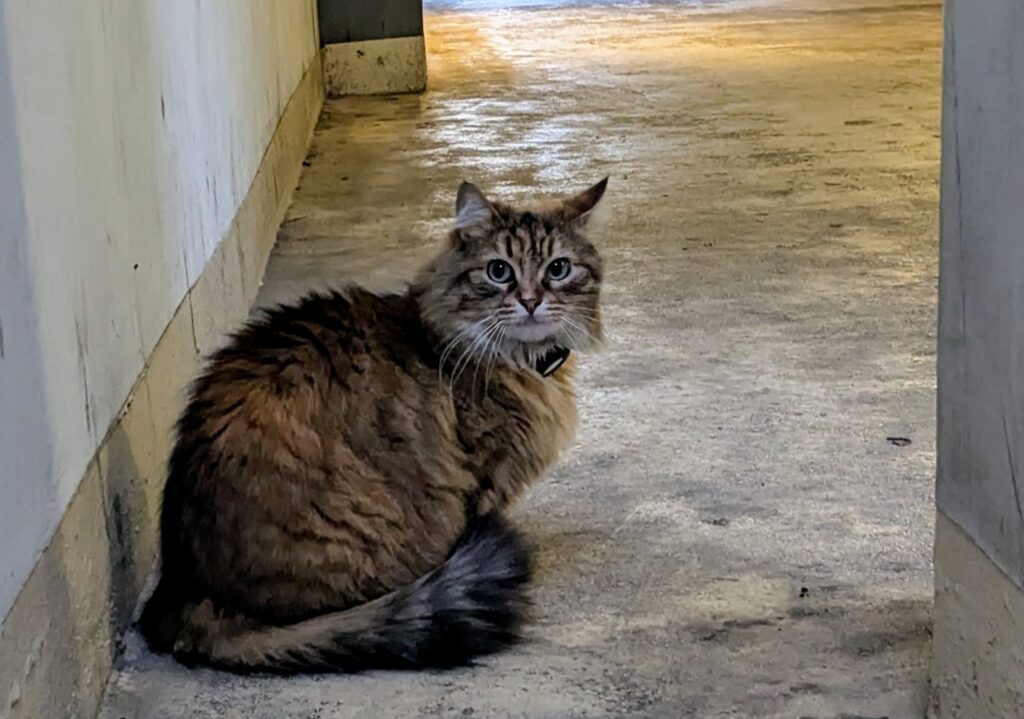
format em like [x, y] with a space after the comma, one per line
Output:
[472, 209]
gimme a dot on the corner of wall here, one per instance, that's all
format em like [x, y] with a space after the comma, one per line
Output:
[978, 644]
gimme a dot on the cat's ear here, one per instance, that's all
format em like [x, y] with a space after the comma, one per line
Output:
[586, 208]
[472, 209]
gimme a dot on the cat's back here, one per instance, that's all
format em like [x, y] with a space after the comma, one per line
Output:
[319, 345]
[334, 333]
[289, 381]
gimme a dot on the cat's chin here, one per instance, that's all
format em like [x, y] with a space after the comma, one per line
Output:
[534, 333]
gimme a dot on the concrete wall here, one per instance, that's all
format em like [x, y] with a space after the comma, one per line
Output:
[979, 645]
[147, 153]
[354, 20]
[131, 132]
[373, 48]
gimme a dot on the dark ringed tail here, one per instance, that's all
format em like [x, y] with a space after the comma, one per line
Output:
[472, 605]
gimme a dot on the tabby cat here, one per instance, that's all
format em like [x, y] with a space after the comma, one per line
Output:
[334, 497]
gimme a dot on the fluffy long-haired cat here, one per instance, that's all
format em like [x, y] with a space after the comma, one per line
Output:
[334, 498]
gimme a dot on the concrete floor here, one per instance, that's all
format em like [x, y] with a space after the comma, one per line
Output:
[733, 535]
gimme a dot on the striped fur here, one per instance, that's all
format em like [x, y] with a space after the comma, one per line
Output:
[335, 451]
[470, 606]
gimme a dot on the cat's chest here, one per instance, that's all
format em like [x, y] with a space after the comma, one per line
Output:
[549, 422]
[524, 422]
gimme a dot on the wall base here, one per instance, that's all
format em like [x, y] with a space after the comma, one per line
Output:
[375, 67]
[60, 639]
[978, 651]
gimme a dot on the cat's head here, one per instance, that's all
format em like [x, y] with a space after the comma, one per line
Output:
[515, 283]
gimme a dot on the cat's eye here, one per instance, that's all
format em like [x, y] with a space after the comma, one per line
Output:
[500, 271]
[559, 269]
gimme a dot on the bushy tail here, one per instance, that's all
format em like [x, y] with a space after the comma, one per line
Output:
[472, 605]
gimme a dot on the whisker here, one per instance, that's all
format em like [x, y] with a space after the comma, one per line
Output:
[485, 354]
[467, 355]
[571, 338]
[476, 355]
[453, 342]
[574, 326]
[465, 352]
[454, 339]
[479, 357]
[472, 330]
[570, 321]
[490, 364]
[583, 311]
[580, 311]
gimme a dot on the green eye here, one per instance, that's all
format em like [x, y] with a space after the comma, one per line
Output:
[500, 271]
[559, 269]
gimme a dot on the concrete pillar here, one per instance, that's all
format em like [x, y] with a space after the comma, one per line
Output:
[372, 48]
[978, 662]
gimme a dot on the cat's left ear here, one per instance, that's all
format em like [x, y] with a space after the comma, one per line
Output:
[586, 209]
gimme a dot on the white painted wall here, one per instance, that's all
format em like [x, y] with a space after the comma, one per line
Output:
[130, 131]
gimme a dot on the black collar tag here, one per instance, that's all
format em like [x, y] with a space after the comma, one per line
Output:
[552, 360]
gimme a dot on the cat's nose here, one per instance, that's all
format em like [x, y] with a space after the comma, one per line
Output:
[530, 303]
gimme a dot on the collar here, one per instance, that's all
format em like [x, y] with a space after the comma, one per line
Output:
[552, 360]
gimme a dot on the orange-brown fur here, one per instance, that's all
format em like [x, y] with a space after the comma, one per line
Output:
[337, 450]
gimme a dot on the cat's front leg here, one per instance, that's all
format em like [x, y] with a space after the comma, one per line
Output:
[507, 477]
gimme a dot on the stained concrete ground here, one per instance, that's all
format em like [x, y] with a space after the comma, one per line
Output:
[744, 526]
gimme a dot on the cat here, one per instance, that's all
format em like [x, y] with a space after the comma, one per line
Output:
[335, 495]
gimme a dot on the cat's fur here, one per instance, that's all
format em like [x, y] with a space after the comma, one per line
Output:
[333, 500]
